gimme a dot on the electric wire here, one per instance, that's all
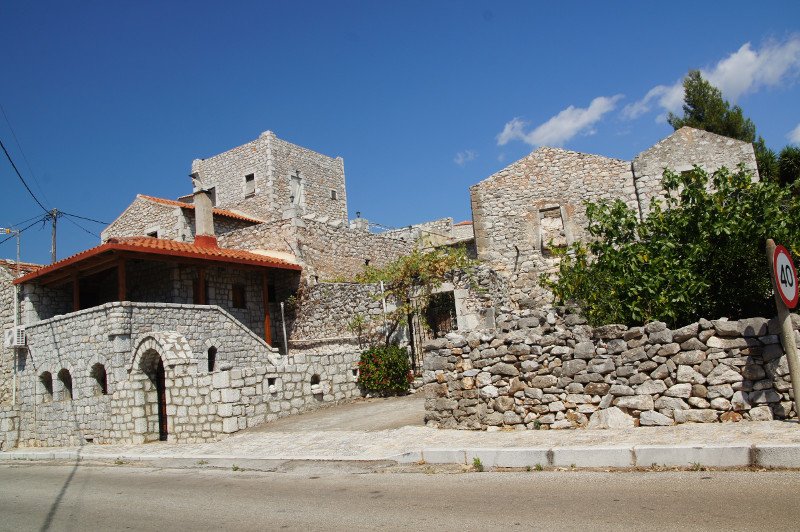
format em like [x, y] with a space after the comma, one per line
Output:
[82, 227]
[24, 157]
[40, 219]
[84, 218]
[23, 179]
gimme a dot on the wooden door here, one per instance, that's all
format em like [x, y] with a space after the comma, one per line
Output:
[161, 388]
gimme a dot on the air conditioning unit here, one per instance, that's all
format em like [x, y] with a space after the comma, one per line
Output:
[14, 337]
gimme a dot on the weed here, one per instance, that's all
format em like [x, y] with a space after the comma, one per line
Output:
[202, 462]
[697, 466]
[528, 468]
[537, 424]
[236, 468]
[119, 461]
[477, 465]
[538, 467]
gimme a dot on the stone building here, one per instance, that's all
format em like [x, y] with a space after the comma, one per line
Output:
[536, 204]
[200, 317]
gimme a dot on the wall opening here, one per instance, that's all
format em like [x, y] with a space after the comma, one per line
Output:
[239, 296]
[65, 379]
[440, 313]
[249, 185]
[553, 235]
[46, 385]
[212, 359]
[316, 387]
[100, 376]
[155, 392]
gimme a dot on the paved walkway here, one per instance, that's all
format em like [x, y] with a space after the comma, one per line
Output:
[391, 430]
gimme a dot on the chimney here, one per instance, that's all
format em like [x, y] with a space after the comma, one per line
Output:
[203, 214]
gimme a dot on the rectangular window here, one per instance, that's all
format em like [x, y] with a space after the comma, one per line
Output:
[239, 299]
[249, 185]
[552, 230]
[196, 291]
[334, 195]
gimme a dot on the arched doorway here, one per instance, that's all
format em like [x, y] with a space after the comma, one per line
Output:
[161, 391]
[155, 393]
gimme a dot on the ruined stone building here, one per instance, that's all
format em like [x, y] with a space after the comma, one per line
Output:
[539, 201]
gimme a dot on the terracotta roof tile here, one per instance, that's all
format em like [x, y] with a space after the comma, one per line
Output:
[465, 222]
[24, 267]
[218, 212]
[163, 247]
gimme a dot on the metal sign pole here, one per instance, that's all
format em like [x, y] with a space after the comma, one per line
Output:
[787, 331]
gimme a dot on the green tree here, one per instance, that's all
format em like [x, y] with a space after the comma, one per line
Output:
[705, 108]
[699, 253]
[789, 165]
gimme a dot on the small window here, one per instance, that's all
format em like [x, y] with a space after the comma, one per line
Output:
[46, 380]
[239, 300]
[66, 384]
[100, 377]
[334, 195]
[212, 359]
[249, 185]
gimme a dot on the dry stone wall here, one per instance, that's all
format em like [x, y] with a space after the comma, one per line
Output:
[548, 369]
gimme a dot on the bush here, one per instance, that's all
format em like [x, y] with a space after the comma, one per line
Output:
[384, 370]
[699, 253]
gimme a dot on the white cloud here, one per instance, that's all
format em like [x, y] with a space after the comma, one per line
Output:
[794, 135]
[744, 71]
[463, 157]
[562, 127]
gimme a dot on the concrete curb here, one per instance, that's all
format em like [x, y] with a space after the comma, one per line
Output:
[776, 456]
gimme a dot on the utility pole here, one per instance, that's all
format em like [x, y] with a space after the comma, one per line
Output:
[54, 218]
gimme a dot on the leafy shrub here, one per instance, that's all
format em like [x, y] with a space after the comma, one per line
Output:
[699, 253]
[384, 370]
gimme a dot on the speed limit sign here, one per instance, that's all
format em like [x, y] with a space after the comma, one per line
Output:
[785, 276]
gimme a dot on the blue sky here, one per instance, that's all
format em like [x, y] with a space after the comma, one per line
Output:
[422, 99]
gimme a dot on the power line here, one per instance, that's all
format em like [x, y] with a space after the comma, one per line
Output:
[26, 221]
[82, 227]
[41, 219]
[22, 179]
[24, 157]
[84, 218]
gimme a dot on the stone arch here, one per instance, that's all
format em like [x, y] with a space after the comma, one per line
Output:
[317, 382]
[152, 374]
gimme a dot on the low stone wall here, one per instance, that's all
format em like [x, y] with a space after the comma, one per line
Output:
[548, 369]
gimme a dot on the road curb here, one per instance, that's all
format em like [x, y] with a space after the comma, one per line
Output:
[774, 456]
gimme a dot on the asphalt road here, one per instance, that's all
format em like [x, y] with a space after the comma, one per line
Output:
[325, 497]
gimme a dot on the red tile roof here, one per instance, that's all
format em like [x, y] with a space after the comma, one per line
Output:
[465, 222]
[143, 246]
[184, 205]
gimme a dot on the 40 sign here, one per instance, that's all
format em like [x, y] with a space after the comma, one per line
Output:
[785, 276]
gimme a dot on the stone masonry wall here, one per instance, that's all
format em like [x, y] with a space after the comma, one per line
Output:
[544, 369]
[272, 161]
[519, 210]
[680, 152]
[172, 223]
[329, 251]
[250, 384]
[6, 322]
